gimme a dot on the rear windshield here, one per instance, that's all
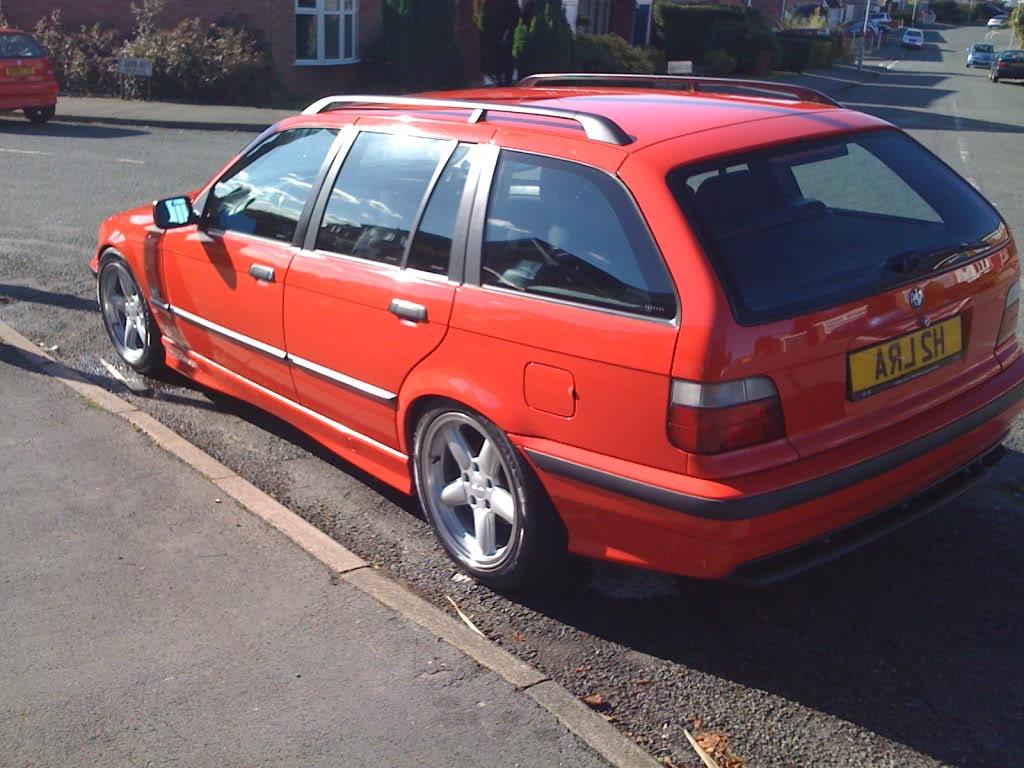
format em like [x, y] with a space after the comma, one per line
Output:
[19, 47]
[817, 224]
[1014, 56]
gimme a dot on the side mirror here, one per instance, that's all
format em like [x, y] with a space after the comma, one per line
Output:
[173, 212]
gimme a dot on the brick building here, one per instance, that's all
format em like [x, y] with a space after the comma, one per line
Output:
[315, 45]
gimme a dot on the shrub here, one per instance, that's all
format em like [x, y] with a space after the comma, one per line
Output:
[543, 40]
[417, 48]
[497, 21]
[798, 53]
[949, 11]
[610, 53]
[691, 32]
[84, 60]
[719, 62]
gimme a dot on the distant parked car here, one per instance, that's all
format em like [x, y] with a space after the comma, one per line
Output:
[980, 55]
[913, 38]
[881, 20]
[997, 22]
[856, 29]
[26, 77]
[1008, 65]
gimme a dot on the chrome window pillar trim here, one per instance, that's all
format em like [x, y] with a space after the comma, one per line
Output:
[348, 381]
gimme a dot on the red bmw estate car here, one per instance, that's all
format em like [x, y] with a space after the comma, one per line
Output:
[27, 81]
[709, 330]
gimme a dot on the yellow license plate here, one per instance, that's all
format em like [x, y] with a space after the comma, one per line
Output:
[19, 71]
[892, 362]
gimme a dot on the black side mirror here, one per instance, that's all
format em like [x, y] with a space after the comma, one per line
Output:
[173, 212]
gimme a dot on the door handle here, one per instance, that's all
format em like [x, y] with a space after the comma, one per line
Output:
[262, 272]
[407, 310]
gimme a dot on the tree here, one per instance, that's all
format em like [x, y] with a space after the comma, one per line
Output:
[418, 44]
[497, 21]
[543, 40]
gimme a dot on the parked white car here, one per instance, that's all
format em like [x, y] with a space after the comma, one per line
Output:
[997, 22]
[912, 38]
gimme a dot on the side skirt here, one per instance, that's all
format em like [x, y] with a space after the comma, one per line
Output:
[381, 461]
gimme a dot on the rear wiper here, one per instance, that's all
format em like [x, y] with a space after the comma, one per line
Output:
[933, 259]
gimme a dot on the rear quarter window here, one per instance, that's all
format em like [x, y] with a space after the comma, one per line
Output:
[813, 225]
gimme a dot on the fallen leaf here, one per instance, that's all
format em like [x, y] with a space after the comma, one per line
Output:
[596, 701]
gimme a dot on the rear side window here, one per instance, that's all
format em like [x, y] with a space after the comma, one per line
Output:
[372, 207]
[20, 47]
[566, 231]
[265, 192]
[818, 224]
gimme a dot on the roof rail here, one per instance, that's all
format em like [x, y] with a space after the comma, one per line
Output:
[596, 127]
[690, 83]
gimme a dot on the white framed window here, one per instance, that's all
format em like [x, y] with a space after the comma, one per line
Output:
[326, 31]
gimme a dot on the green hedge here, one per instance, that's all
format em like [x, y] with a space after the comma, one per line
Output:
[610, 53]
[800, 53]
[722, 38]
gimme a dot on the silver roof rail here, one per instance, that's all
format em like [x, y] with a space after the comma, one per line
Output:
[596, 127]
[688, 82]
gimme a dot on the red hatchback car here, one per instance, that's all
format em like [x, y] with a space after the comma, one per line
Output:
[709, 332]
[27, 81]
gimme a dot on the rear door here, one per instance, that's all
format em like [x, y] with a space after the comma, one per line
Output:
[868, 279]
[370, 295]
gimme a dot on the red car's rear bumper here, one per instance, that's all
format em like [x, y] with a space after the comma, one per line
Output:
[28, 95]
[625, 517]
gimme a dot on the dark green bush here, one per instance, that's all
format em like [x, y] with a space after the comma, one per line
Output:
[543, 39]
[949, 11]
[417, 45]
[497, 21]
[719, 62]
[84, 59]
[692, 32]
[798, 53]
[610, 53]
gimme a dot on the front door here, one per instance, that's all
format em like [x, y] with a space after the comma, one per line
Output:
[224, 279]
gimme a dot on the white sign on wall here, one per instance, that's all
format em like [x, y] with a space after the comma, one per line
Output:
[136, 67]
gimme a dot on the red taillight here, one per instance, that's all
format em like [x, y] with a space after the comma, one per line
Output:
[1008, 327]
[727, 416]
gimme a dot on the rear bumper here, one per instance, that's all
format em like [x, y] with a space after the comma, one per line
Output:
[34, 95]
[623, 517]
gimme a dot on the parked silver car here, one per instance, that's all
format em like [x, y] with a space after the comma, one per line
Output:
[980, 55]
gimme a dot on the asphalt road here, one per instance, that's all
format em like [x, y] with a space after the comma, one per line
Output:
[903, 654]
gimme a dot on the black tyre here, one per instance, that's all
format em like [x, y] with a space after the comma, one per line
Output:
[127, 317]
[483, 501]
[40, 115]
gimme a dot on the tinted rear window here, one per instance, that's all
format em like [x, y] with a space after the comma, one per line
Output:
[19, 47]
[817, 224]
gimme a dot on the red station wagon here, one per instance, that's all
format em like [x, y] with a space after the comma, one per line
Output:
[27, 81]
[709, 329]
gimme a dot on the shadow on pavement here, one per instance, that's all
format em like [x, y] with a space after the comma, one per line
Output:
[916, 638]
[59, 130]
[921, 119]
[49, 298]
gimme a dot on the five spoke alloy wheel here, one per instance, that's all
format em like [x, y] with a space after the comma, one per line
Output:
[126, 316]
[482, 500]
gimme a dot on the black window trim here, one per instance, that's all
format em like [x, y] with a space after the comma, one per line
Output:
[317, 204]
[744, 157]
[478, 220]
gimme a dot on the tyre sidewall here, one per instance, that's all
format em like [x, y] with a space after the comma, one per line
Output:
[153, 359]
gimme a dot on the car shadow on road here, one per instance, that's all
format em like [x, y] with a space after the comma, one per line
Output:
[9, 292]
[922, 119]
[916, 638]
[59, 130]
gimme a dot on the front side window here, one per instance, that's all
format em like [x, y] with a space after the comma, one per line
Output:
[265, 192]
[372, 207]
[814, 225]
[566, 231]
[325, 31]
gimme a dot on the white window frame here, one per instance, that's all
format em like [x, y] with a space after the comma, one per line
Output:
[321, 13]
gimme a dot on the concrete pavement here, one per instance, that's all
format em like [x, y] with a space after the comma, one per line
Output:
[146, 619]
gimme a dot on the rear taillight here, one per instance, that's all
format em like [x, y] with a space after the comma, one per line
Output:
[1008, 327]
[724, 416]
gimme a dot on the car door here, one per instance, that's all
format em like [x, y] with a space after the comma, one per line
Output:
[223, 279]
[370, 294]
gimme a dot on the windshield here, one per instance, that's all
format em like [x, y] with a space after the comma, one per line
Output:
[983, 49]
[817, 224]
[19, 46]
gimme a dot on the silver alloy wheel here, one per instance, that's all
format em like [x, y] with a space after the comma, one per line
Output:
[467, 485]
[123, 312]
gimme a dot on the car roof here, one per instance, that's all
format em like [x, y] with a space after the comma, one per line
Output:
[648, 115]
